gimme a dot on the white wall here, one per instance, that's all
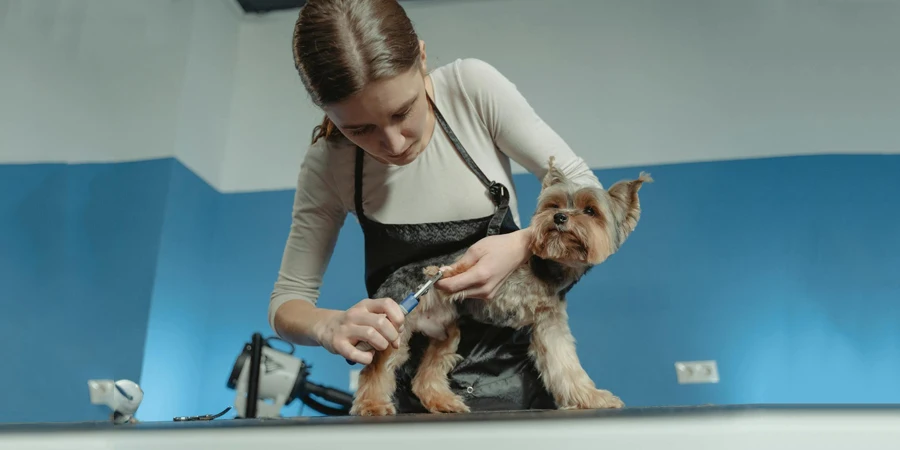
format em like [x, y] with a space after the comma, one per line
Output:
[625, 82]
[271, 115]
[204, 106]
[90, 80]
[117, 80]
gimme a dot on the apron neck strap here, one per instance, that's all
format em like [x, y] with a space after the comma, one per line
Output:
[358, 178]
[499, 193]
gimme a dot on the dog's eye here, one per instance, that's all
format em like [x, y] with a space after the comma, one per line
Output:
[589, 211]
[553, 206]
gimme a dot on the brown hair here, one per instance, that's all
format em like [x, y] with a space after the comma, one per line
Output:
[342, 45]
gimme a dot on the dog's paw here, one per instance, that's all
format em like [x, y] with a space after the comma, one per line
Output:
[594, 399]
[373, 408]
[453, 270]
[444, 403]
[431, 271]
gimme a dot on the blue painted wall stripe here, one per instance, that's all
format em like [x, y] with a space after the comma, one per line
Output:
[783, 270]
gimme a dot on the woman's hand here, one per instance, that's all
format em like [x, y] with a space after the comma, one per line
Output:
[486, 264]
[376, 321]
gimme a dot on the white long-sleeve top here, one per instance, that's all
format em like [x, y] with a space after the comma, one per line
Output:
[489, 116]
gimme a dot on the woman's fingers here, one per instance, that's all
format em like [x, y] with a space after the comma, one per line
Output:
[374, 336]
[387, 307]
[376, 321]
[472, 281]
[465, 274]
[349, 351]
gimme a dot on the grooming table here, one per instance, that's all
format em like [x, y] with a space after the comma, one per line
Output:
[789, 427]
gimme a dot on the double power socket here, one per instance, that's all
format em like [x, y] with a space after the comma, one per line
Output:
[697, 372]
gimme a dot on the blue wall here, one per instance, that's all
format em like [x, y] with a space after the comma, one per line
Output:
[183, 302]
[784, 270]
[78, 248]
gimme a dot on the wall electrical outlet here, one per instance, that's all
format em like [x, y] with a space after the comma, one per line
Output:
[696, 372]
[354, 379]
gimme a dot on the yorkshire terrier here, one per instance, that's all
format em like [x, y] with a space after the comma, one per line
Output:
[574, 228]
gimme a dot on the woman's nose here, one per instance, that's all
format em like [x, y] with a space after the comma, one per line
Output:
[394, 142]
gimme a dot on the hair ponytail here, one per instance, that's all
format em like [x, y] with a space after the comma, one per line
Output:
[324, 129]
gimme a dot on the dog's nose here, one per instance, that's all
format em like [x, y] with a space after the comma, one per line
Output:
[560, 218]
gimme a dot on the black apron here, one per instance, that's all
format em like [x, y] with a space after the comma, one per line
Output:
[496, 373]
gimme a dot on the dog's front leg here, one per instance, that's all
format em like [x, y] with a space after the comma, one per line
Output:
[553, 351]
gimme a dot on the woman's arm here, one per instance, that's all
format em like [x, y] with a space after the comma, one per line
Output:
[300, 321]
[318, 215]
[514, 125]
[522, 135]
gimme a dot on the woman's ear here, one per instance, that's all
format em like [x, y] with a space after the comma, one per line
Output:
[423, 56]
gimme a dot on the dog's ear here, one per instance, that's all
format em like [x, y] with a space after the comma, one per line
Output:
[553, 176]
[626, 205]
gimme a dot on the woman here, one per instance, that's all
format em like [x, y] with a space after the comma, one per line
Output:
[422, 159]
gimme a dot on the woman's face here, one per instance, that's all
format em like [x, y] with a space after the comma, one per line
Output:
[390, 119]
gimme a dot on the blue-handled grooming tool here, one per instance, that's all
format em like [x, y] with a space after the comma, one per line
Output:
[407, 305]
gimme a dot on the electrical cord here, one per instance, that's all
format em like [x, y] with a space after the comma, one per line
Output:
[343, 399]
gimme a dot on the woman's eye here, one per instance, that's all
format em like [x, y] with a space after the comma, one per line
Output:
[360, 131]
[589, 211]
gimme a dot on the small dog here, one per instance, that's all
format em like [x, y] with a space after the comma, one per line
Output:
[574, 229]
